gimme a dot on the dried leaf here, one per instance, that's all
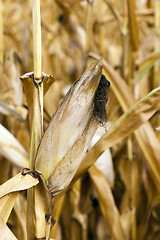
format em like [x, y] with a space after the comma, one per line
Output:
[9, 191]
[5, 232]
[11, 149]
[6, 204]
[10, 86]
[20, 208]
[11, 110]
[107, 204]
[127, 220]
[18, 183]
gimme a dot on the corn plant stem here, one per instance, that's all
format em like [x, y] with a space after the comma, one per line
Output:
[115, 13]
[37, 39]
[1, 38]
[130, 158]
[156, 76]
[130, 65]
[129, 139]
[101, 28]
[133, 28]
[133, 44]
[125, 40]
[89, 25]
[30, 215]
[37, 117]
[38, 92]
[149, 4]
[37, 123]
[133, 40]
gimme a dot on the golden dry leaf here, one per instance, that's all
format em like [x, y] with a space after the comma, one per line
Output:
[127, 220]
[12, 150]
[107, 204]
[10, 86]
[6, 204]
[6, 232]
[9, 191]
[20, 208]
[18, 113]
[18, 183]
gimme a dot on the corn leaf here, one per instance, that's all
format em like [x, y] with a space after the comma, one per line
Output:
[6, 232]
[9, 192]
[20, 209]
[6, 204]
[145, 65]
[11, 90]
[18, 183]
[107, 204]
[11, 149]
[18, 113]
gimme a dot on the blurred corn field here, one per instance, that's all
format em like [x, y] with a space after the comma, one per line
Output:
[68, 171]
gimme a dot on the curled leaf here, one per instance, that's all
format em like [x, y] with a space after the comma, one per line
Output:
[9, 192]
[18, 183]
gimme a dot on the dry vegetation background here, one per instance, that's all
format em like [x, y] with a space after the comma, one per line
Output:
[122, 202]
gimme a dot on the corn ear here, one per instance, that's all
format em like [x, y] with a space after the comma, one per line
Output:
[69, 121]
